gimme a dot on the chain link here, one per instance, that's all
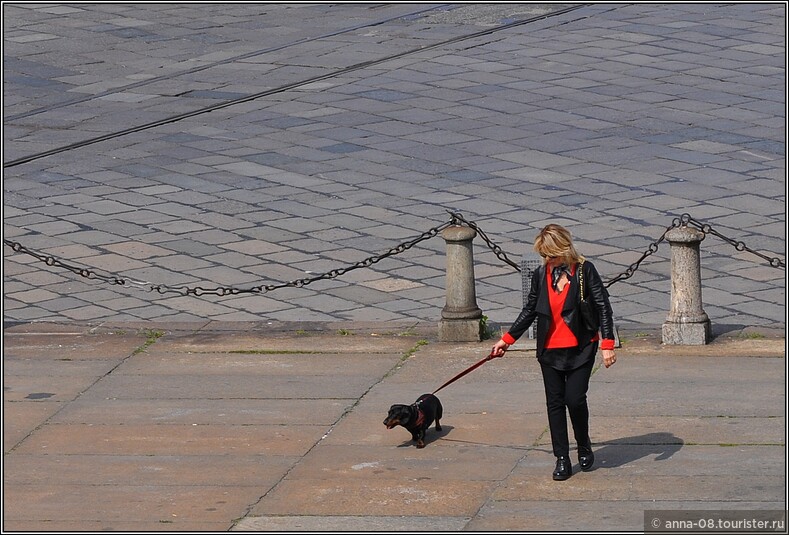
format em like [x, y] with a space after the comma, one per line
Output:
[738, 245]
[684, 221]
[455, 219]
[497, 250]
[199, 291]
[652, 249]
[81, 271]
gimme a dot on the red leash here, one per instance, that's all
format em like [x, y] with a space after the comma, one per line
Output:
[464, 372]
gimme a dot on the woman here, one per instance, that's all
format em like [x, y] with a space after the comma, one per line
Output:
[566, 349]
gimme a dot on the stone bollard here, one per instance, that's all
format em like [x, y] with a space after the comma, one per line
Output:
[460, 317]
[686, 323]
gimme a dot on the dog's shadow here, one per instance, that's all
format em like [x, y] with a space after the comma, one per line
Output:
[430, 436]
[622, 451]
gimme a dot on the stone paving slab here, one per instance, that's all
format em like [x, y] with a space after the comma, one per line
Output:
[730, 399]
[260, 363]
[210, 454]
[669, 457]
[297, 341]
[168, 439]
[21, 419]
[60, 366]
[104, 347]
[443, 460]
[188, 386]
[722, 429]
[256, 470]
[201, 412]
[120, 525]
[49, 388]
[164, 504]
[633, 487]
[377, 497]
[598, 515]
[351, 523]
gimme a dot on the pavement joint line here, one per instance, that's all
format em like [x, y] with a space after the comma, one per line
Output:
[197, 69]
[348, 410]
[273, 91]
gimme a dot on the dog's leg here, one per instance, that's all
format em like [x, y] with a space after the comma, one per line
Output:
[420, 439]
[438, 425]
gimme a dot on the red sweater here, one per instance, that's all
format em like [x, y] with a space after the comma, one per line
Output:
[559, 334]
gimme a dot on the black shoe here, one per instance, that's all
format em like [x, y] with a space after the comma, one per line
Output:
[586, 460]
[563, 470]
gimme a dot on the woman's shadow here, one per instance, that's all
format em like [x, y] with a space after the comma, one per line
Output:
[625, 450]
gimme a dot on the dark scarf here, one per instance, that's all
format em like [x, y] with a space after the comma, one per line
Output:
[556, 274]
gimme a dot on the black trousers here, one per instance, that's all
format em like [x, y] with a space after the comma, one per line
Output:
[565, 392]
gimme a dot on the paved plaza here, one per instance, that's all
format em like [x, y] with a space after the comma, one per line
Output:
[238, 427]
[220, 265]
[190, 147]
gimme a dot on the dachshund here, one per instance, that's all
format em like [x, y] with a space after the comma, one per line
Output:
[416, 417]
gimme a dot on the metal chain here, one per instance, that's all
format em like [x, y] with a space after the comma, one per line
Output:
[52, 261]
[739, 245]
[626, 275]
[498, 251]
[456, 219]
[684, 220]
[222, 291]
[653, 247]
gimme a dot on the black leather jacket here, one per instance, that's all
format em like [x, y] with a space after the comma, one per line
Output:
[538, 308]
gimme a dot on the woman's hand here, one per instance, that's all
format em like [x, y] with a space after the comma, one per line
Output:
[499, 348]
[609, 357]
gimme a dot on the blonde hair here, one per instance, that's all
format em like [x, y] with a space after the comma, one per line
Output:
[555, 241]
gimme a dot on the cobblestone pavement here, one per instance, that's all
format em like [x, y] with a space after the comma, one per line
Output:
[242, 145]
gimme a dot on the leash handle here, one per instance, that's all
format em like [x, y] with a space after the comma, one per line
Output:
[464, 372]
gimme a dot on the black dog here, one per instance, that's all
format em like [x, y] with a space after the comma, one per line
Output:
[416, 417]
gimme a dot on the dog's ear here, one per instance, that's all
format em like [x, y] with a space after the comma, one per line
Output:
[396, 409]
